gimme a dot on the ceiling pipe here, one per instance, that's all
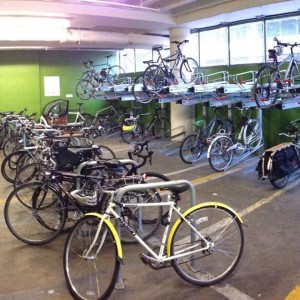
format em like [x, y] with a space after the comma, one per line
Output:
[121, 4]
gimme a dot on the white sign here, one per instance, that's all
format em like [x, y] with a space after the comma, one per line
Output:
[51, 86]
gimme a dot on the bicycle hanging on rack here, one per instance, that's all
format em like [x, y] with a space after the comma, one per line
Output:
[275, 80]
[159, 75]
[92, 80]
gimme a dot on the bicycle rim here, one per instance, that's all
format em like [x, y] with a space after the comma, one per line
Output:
[139, 92]
[34, 215]
[84, 90]
[131, 135]
[266, 87]
[191, 149]
[219, 157]
[93, 277]
[154, 79]
[221, 228]
[189, 71]
[116, 75]
[253, 135]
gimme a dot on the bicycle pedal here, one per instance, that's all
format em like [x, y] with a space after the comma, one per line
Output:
[144, 259]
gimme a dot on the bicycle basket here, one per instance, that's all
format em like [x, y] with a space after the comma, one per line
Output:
[278, 50]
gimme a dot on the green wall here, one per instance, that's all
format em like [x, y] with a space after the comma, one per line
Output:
[22, 78]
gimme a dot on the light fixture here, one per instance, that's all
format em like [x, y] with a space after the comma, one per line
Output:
[23, 28]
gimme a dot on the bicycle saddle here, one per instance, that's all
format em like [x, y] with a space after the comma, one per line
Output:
[179, 188]
[157, 47]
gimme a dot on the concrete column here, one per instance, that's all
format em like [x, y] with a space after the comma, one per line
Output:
[181, 115]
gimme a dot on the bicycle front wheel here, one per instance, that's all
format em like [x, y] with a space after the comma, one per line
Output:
[219, 153]
[116, 75]
[189, 70]
[191, 149]
[34, 214]
[213, 248]
[131, 131]
[266, 87]
[154, 79]
[91, 267]
[253, 134]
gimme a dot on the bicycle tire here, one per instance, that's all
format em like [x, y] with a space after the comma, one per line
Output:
[294, 79]
[191, 149]
[29, 173]
[280, 182]
[116, 75]
[154, 79]
[93, 278]
[139, 92]
[35, 215]
[218, 156]
[223, 229]
[131, 135]
[266, 87]
[103, 125]
[189, 70]
[11, 144]
[88, 119]
[161, 128]
[9, 165]
[85, 90]
[253, 134]
[105, 152]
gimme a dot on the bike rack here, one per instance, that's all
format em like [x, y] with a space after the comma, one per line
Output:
[242, 157]
[140, 187]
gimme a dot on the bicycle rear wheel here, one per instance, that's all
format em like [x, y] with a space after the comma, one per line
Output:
[189, 70]
[91, 270]
[116, 75]
[85, 90]
[191, 149]
[266, 87]
[34, 214]
[219, 157]
[161, 128]
[207, 264]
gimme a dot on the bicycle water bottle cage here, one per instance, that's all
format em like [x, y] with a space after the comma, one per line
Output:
[157, 48]
[198, 123]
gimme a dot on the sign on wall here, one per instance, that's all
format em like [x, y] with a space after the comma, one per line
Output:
[51, 86]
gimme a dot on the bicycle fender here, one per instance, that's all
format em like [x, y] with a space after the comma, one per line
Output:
[188, 211]
[114, 232]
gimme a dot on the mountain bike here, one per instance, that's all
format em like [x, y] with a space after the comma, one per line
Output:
[204, 245]
[277, 79]
[159, 75]
[134, 130]
[91, 80]
[247, 137]
[192, 146]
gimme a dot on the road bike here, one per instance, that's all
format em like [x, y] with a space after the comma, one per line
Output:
[134, 130]
[204, 245]
[193, 145]
[277, 80]
[159, 74]
[96, 76]
[247, 137]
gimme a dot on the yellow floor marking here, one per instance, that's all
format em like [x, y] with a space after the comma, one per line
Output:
[294, 294]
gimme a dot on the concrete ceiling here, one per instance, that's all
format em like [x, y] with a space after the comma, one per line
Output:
[97, 24]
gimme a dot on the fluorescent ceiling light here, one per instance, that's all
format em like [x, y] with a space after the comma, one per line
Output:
[34, 22]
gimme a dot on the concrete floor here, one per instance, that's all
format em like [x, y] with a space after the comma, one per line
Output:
[269, 268]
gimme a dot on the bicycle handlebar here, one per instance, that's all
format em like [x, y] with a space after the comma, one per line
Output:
[275, 39]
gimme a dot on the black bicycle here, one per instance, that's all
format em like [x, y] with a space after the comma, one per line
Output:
[134, 130]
